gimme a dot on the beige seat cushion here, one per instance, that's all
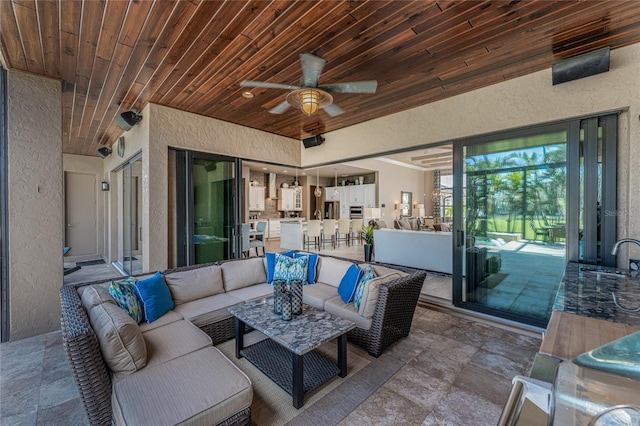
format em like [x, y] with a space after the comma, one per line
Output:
[243, 273]
[252, 293]
[318, 293]
[121, 342]
[173, 340]
[194, 284]
[370, 294]
[331, 271]
[167, 318]
[96, 294]
[199, 388]
[207, 310]
[335, 306]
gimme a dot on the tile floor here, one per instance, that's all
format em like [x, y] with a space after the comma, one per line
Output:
[457, 372]
[452, 363]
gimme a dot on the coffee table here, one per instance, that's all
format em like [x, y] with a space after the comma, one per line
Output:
[287, 357]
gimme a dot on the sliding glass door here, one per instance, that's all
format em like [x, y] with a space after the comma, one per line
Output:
[209, 210]
[525, 203]
[130, 230]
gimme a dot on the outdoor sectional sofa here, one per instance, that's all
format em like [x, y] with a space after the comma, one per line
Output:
[186, 380]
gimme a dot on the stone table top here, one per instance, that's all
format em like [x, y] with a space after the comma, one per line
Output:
[302, 334]
[611, 298]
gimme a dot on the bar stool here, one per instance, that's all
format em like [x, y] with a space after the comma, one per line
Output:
[344, 228]
[328, 232]
[356, 229]
[313, 231]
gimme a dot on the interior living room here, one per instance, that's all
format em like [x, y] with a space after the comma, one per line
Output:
[337, 212]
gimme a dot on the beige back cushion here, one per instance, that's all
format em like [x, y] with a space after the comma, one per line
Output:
[383, 270]
[194, 284]
[96, 294]
[370, 294]
[331, 271]
[243, 273]
[121, 342]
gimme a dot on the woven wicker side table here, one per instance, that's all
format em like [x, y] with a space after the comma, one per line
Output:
[287, 357]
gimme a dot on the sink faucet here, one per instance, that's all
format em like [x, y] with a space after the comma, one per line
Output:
[622, 241]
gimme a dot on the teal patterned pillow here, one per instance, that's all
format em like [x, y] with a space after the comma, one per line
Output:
[124, 293]
[289, 269]
[367, 274]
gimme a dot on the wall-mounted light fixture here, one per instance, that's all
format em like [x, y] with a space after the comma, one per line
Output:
[105, 186]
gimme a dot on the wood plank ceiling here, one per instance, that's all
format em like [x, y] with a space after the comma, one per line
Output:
[116, 55]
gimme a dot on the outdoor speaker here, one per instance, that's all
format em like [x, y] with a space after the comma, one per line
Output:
[591, 63]
[313, 141]
[104, 152]
[127, 120]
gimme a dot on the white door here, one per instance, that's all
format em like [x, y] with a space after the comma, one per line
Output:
[80, 212]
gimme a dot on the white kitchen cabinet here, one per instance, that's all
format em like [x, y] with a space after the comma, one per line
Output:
[344, 202]
[369, 195]
[356, 195]
[274, 228]
[329, 194]
[289, 200]
[256, 198]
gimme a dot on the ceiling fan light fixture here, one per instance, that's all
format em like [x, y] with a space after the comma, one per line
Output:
[309, 101]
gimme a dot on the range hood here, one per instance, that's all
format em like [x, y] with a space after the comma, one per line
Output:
[273, 190]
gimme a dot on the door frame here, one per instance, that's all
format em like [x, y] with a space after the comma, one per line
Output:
[4, 215]
[87, 256]
[185, 221]
[119, 210]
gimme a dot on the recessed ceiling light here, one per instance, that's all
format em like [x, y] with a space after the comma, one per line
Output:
[304, 173]
[264, 168]
[247, 94]
[284, 171]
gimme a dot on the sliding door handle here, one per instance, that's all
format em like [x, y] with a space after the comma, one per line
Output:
[459, 238]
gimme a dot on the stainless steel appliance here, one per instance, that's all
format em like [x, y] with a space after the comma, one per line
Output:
[356, 212]
[331, 210]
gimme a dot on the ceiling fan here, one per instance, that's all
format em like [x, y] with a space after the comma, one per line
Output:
[309, 96]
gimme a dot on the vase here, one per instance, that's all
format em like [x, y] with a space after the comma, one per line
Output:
[278, 286]
[296, 297]
[285, 296]
[368, 249]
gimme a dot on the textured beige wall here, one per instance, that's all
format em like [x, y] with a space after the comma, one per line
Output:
[523, 101]
[94, 166]
[178, 129]
[35, 204]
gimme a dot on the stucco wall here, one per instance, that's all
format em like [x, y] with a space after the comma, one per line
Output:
[35, 204]
[519, 102]
[178, 129]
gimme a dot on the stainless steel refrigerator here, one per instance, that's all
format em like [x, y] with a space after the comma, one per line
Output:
[331, 210]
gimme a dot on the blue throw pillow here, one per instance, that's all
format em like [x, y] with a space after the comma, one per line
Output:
[155, 297]
[271, 263]
[348, 284]
[312, 266]
[124, 293]
[290, 269]
[367, 274]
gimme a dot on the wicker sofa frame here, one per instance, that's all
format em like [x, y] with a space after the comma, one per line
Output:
[391, 321]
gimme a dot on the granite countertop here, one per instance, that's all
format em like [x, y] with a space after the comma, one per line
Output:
[603, 296]
[302, 334]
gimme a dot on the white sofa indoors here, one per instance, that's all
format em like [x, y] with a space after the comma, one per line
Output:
[169, 372]
[431, 251]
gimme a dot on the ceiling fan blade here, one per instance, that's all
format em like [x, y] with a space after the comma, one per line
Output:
[333, 110]
[280, 108]
[249, 83]
[311, 68]
[368, 86]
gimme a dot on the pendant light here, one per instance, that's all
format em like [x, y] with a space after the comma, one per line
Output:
[317, 192]
[295, 184]
[336, 193]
